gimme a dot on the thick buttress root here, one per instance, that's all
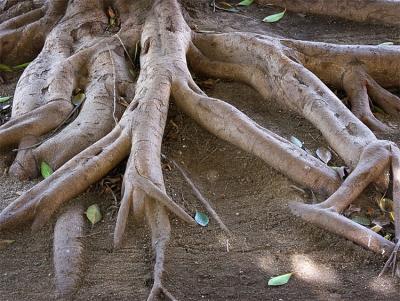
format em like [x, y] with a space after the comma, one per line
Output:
[124, 115]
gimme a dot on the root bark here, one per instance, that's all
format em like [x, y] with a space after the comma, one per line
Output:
[82, 53]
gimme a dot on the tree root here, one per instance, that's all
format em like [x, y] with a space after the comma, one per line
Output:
[92, 60]
[377, 11]
[68, 251]
[24, 27]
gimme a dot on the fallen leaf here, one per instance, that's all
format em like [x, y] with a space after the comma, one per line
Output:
[296, 141]
[376, 228]
[78, 98]
[201, 218]
[93, 214]
[388, 236]
[324, 154]
[5, 68]
[245, 2]
[45, 170]
[275, 17]
[279, 280]
[6, 107]
[5, 98]
[362, 220]
[21, 66]
[386, 44]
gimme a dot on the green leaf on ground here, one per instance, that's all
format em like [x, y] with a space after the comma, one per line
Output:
[45, 170]
[386, 44]
[93, 214]
[245, 2]
[21, 66]
[362, 220]
[201, 218]
[296, 141]
[279, 280]
[5, 68]
[274, 18]
[78, 98]
[5, 98]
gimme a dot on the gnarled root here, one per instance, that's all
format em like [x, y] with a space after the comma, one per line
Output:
[109, 127]
[303, 92]
[24, 27]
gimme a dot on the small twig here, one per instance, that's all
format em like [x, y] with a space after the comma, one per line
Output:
[126, 51]
[113, 195]
[53, 132]
[115, 86]
[333, 151]
[199, 196]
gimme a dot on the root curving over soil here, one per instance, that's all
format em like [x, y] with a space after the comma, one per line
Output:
[125, 111]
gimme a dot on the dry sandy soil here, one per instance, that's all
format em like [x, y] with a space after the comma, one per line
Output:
[251, 198]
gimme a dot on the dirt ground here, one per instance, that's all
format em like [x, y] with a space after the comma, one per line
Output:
[251, 198]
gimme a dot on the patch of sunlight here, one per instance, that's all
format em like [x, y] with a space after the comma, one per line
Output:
[383, 285]
[266, 263]
[306, 269]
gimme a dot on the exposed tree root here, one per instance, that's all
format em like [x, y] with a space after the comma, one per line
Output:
[68, 250]
[81, 53]
[375, 11]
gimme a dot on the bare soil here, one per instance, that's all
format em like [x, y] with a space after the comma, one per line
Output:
[251, 198]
